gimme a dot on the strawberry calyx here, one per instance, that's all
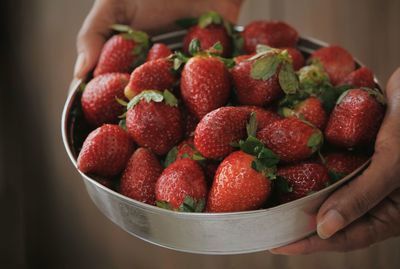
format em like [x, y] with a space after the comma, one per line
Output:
[265, 160]
[268, 61]
[140, 38]
[376, 94]
[316, 140]
[312, 76]
[173, 153]
[189, 204]
[154, 96]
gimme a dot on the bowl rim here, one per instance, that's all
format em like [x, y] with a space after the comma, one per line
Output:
[73, 90]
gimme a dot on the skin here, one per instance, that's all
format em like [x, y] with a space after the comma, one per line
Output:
[361, 213]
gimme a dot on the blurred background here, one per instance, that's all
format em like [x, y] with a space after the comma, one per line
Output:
[48, 219]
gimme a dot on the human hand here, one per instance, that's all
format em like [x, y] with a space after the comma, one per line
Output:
[366, 210]
[143, 15]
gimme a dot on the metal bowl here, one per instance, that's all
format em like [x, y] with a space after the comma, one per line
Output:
[205, 233]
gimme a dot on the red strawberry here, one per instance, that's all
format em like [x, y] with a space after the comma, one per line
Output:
[191, 122]
[158, 51]
[252, 91]
[275, 34]
[237, 186]
[209, 30]
[105, 151]
[218, 130]
[153, 75]
[98, 101]
[291, 139]
[205, 84]
[356, 118]
[154, 121]
[241, 58]
[362, 77]
[297, 58]
[303, 178]
[140, 176]
[121, 51]
[181, 180]
[341, 164]
[311, 110]
[186, 149]
[337, 62]
[264, 117]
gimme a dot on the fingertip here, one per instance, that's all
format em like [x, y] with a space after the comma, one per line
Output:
[79, 69]
[329, 224]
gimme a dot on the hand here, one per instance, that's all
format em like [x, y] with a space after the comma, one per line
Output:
[367, 209]
[145, 15]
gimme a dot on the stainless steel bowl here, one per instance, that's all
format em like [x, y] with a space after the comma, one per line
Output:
[205, 233]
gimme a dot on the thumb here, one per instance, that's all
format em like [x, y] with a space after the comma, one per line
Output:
[91, 37]
[360, 195]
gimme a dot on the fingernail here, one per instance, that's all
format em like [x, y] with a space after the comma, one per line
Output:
[80, 61]
[330, 223]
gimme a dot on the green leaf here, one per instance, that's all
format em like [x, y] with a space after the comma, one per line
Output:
[217, 48]
[209, 18]
[122, 124]
[238, 43]
[186, 22]
[192, 205]
[163, 204]
[288, 79]
[328, 95]
[179, 58]
[171, 156]
[229, 63]
[120, 101]
[185, 156]
[263, 48]
[82, 87]
[315, 141]
[286, 112]
[311, 76]
[265, 67]
[148, 95]
[282, 185]
[251, 145]
[170, 99]
[197, 156]
[251, 126]
[268, 157]
[194, 46]
[122, 28]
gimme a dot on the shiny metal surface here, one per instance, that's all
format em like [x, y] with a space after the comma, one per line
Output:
[205, 233]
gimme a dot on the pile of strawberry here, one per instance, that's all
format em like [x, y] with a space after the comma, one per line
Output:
[232, 122]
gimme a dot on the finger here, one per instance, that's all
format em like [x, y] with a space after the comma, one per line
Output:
[92, 36]
[381, 223]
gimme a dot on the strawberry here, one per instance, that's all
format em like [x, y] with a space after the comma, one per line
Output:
[362, 77]
[340, 164]
[218, 130]
[291, 139]
[251, 91]
[140, 176]
[98, 100]
[121, 52]
[264, 77]
[152, 75]
[237, 186]
[105, 151]
[205, 84]
[264, 117]
[154, 121]
[191, 122]
[158, 51]
[186, 149]
[182, 187]
[311, 110]
[337, 62]
[275, 34]
[297, 58]
[303, 179]
[356, 118]
[211, 28]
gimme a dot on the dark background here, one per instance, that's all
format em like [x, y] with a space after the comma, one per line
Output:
[48, 220]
